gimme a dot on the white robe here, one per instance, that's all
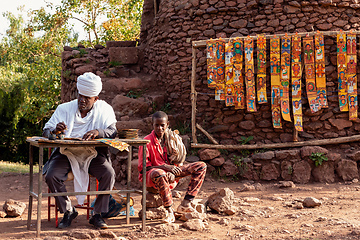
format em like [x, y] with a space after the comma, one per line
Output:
[101, 116]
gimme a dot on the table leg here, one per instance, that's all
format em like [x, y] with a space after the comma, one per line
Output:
[38, 224]
[128, 185]
[144, 189]
[31, 184]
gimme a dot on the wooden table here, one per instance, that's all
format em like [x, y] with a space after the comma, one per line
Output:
[42, 143]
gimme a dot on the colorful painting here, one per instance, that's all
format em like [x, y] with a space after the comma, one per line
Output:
[229, 73]
[296, 81]
[285, 77]
[309, 62]
[342, 72]
[239, 86]
[261, 69]
[275, 81]
[249, 75]
[351, 76]
[320, 70]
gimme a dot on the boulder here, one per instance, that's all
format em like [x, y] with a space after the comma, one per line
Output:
[286, 170]
[347, 170]
[208, 154]
[308, 150]
[301, 172]
[14, 208]
[311, 202]
[155, 213]
[153, 200]
[129, 106]
[194, 224]
[217, 162]
[83, 234]
[229, 169]
[324, 173]
[269, 172]
[221, 200]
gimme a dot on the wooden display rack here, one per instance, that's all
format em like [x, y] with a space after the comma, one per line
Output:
[216, 145]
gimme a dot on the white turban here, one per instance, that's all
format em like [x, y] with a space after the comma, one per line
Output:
[89, 84]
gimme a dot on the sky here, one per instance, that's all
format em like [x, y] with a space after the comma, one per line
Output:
[12, 6]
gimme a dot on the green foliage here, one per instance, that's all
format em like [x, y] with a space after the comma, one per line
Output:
[239, 162]
[244, 140]
[16, 167]
[135, 93]
[224, 151]
[166, 108]
[290, 170]
[183, 127]
[115, 63]
[318, 158]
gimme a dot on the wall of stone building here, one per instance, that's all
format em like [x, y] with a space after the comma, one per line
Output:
[167, 35]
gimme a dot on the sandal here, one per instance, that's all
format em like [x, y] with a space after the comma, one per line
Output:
[182, 209]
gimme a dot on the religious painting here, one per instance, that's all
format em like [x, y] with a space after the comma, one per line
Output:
[296, 81]
[351, 76]
[342, 72]
[275, 81]
[285, 77]
[249, 75]
[239, 85]
[229, 73]
[320, 70]
[261, 69]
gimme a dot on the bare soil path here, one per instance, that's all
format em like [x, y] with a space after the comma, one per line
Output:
[269, 213]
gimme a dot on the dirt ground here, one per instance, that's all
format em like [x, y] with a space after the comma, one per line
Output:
[268, 213]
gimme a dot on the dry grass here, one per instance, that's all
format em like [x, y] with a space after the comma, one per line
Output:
[16, 167]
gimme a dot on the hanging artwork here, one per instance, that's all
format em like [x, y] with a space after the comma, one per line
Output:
[320, 70]
[229, 74]
[275, 80]
[341, 64]
[310, 74]
[296, 81]
[351, 76]
[239, 87]
[285, 77]
[261, 69]
[216, 67]
[249, 75]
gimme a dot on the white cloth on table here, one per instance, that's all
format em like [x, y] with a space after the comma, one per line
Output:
[101, 116]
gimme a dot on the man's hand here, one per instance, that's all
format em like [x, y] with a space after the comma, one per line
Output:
[90, 135]
[60, 128]
[171, 177]
[172, 168]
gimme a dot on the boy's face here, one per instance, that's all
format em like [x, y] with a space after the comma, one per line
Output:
[160, 125]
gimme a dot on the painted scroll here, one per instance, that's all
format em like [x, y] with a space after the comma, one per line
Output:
[296, 81]
[275, 80]
[320, 70]
[342, 81]
[285, 77]
[216, 66]
[310, 74]
[351, 76]
[229, 74]
[261, 69]
[249, 75]
[239, 87]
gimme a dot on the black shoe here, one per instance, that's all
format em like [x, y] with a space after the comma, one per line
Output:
[68, 217]
[98, 221]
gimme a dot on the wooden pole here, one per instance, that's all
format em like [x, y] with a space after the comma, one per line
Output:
[202, 43]
[155, 8]
[282, 145]
[193, 95]
[207, 134]
[295, 138]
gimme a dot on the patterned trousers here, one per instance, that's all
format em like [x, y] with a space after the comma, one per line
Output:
[197, 171]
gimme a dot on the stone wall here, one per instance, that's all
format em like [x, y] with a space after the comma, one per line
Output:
[166, 39]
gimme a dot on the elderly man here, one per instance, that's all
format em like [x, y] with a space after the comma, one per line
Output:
[86, 118]
[162, 174]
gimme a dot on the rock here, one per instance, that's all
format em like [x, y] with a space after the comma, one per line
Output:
[286, 184]
[194, 224]
[208, 154]
[231, 211]
[122, 84]
[2, 214]
[229, 169]
[221, 200]
[347, 170]
[84, 68]
[124, 55]
[167, 228]
[83, 234]
[14, 208]
[324, 173]
[308, 150]
[301, 172]
[340, 124]
[153, 200]
[120, 44]
[175, 194]
[247, 187]
[311, 202]
[269, 155]
[217, 162]
[129, 106]
[269, 172]
[238, 24]
[355, 156]
[192, 159]
[247, 125]
[194, 215]
[286, 170]
[155, 213]
[107, 234]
